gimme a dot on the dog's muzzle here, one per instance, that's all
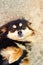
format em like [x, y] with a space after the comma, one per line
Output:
[20, 33]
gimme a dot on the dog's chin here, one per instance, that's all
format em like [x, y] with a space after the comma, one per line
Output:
[18, 38]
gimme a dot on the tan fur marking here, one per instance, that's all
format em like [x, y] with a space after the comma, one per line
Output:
[14, 26]
[26, 62]
[20, 24]
[12, 54]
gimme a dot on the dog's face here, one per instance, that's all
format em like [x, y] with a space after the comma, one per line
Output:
[18, 29]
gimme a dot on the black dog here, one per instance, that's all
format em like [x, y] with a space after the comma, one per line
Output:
[12, 34]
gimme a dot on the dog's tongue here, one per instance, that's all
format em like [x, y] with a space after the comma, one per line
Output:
[12, 54]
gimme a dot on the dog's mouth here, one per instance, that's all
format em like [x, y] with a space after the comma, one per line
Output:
[20, 36]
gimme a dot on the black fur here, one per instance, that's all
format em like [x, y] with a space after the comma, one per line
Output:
[6, 42]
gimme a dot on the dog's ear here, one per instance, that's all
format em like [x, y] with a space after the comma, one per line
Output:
[3, 30]
[28, 23]
[29, 26]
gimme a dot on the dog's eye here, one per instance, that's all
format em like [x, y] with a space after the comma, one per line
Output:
[23, 27]
[12, 30]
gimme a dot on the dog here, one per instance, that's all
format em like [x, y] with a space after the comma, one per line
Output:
[13, 37]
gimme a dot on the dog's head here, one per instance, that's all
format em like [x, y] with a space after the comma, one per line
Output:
[16, 29]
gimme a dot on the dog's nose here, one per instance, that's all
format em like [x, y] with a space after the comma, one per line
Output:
[20, 33]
